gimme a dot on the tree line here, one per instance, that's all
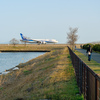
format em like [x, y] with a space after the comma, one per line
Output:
[95, 47]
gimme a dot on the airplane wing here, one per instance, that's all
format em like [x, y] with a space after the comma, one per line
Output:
[40, 41]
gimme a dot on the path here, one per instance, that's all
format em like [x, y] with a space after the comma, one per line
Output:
[95, 56]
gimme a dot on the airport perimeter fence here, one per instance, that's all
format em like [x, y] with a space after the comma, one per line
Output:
[88, 81]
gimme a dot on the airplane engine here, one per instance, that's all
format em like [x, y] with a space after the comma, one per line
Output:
[43, 42]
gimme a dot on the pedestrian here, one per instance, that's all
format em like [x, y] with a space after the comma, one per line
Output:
[75, 46]
[89, 51]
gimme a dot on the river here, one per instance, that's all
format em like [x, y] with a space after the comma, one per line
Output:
[11, 59]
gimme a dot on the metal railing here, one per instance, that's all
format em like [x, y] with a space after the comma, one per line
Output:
[88, 81]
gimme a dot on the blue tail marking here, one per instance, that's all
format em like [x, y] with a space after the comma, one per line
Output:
[24, 38]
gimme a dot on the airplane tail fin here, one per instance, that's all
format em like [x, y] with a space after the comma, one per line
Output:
[21, 35]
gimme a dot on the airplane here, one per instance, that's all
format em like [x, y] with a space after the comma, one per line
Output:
[39, 41]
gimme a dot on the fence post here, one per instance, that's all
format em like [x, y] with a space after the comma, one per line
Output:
[80, 75]
[99, 90]
[95, 87]
[87, 84]
[82, 79]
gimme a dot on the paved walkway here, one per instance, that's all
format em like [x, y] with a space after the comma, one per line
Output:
[95, 56]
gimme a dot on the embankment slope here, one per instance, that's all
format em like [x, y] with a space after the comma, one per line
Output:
[50, 76]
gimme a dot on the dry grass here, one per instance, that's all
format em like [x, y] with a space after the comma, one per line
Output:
[44, 77]
[31, 47]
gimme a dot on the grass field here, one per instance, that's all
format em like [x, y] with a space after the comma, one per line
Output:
[50, 76]
[92, 64]
[31, 47]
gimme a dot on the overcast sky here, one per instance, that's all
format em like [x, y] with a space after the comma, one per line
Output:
[49, 19]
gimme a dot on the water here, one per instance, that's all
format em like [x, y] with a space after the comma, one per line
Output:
[11, 59]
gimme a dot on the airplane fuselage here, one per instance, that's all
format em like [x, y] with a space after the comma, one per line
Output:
[39, 41]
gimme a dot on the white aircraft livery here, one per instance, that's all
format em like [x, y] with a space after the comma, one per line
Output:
[39, 41]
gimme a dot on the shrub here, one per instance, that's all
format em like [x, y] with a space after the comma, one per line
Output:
[85, 46]
[96, 47]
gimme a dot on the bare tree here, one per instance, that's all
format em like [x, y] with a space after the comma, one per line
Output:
[72, 37]
[14, 41]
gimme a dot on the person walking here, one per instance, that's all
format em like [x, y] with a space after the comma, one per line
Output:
[89, 51]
